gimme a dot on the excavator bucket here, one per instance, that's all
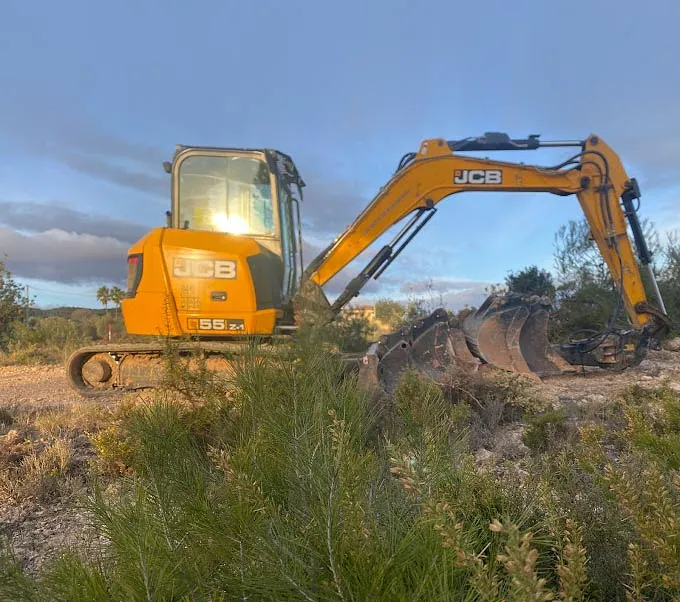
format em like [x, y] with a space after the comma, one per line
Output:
[511, 332]
[508, 332]
[430, 346]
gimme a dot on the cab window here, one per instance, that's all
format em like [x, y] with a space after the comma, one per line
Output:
[226, 194]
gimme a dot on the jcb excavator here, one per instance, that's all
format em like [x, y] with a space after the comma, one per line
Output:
[228, 265]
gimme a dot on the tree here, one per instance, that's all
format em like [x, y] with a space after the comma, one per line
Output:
[586, 293]
[12, 302]
[104, 296]
[531, 281]
[350, 334]
[415, 310]
[669, 278]
[578, 260]
[117, 295]
[390, 312]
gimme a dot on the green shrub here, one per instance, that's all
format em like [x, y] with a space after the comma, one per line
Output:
[572, 490]
[653, 422]
[280, 489]
[546, 430]
[44, 340]
[49, 339]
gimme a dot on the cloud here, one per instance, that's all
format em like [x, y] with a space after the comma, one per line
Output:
[66, 257]
[56, 133]
[105, 169]
[330, 205]
[445, 292]
[472, 297]
[396, 283]
[440, 285]
[38, 217]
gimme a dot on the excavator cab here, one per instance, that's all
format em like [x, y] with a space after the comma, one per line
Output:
[229, 261]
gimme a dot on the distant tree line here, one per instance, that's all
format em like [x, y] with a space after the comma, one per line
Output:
[49, 335]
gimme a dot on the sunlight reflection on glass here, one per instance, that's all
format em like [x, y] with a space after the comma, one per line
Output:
[233, 223]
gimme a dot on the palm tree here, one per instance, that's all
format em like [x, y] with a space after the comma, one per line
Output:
[117, 295]
[104, 296]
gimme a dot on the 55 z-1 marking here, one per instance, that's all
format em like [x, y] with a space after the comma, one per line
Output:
[232, 325]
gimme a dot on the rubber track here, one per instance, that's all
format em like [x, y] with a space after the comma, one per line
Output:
[79, 357]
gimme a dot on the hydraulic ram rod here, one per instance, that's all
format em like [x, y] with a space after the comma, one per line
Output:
[631, 192]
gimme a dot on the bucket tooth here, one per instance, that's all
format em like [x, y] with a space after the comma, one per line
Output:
[458, 349]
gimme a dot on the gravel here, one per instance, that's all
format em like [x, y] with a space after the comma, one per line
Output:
[35, 387]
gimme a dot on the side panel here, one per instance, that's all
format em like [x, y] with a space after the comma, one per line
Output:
[152, 311]
[266, 270]
[207, 282]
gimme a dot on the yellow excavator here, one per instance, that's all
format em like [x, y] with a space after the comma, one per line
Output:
[228, 265]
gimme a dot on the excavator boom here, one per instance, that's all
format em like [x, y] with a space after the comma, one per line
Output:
[508, 332]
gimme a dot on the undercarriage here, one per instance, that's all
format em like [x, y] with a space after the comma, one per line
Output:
[507, 332]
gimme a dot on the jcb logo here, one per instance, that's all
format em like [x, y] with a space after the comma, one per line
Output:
[478, 176]
[185, 267]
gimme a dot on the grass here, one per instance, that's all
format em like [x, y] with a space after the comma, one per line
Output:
[285, 481]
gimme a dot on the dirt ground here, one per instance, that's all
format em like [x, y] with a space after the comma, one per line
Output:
[595, 385]
[38, 529]
[35, 387]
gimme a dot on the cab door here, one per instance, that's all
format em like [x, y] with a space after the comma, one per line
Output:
[291, 241]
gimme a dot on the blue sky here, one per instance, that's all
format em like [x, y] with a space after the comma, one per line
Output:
[95, 96]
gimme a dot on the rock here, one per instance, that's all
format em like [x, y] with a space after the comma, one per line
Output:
[522, 473]
[484, 457]
[672, 344]
[509, 444]
[653, 370]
